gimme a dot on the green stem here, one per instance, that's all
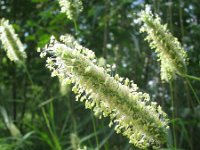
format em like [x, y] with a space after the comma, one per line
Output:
[191, 77]
[105, 140]
[31, 82]
[75, 26]
[72, 114]
[173, 113]
[95, 131]
[193, 91]
[28, 74]
[53, 135]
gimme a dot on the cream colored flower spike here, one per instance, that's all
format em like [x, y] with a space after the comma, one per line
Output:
[170, 53]
[130, 111]
[71, 8]
[10, 41]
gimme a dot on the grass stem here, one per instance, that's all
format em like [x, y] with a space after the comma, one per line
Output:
[173, 113]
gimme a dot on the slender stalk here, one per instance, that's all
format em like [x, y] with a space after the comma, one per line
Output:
[31, 81]
[186, 76]
[193, 91]
[23, 109]
[72, 114]
[64, 126]
[28, 74]
[95, 131]
[170, 15]
[54, 136]
[105, 32]
[173, 113]
[105, 140]
[75, 26]
[191, 77]
[181, 19]
[14, 95]
[190, 105]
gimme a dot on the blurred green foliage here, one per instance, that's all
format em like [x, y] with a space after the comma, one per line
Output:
[47, 119]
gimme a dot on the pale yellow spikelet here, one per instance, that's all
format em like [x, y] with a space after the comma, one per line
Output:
[170, 53]
[10, 41]
[130, 111]
[71, 8]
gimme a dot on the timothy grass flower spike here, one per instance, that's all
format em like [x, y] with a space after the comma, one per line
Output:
[130, 111]
[11, 42]
[71, 8]
[172, 56]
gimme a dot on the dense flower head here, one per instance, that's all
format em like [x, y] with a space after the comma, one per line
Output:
[130, 111]
[11, 42]
[71, 8]
[170, 53]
